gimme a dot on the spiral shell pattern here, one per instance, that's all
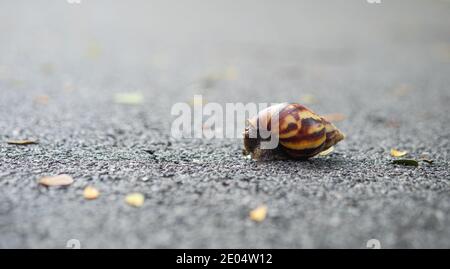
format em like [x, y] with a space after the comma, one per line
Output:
[301, 132]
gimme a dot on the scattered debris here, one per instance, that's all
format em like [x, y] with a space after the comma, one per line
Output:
[160, 60]
[442, 52]
[326, 152]
[228, 73]
[132, 98]
[398, 153]
[427, 160]
[425, 157]
[334, 117]
[16, 82]
[60, 180]
[258, 214]
[68, 86]
[4, 72]
[308, 99]
[41, 99]
[90, 193]
[22, 142]
[150, 151]
[402, 90]
[407, 162]
[392, 124]
[93, 51]
[198, 100]
[47, 69]
[135, 199]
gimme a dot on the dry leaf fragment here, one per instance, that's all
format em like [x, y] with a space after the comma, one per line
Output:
[326, 152]
[230, 73]
[68, 86]
[442, 51]
[60, 180]
[429, 161]
[42, 99]
[398, 153]
[132, 98]
[308, 99]
[425, 157]
[91, 193]
[334, 117]
[402, 89]
[408, 162]
[393, 124]
[258, 214]
[22, 142]
[135, 199]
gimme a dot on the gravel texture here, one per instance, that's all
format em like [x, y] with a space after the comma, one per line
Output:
[385, 66]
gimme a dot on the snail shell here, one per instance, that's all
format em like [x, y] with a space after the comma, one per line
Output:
[301, 133]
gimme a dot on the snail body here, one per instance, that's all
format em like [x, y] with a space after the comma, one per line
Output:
[300, 133]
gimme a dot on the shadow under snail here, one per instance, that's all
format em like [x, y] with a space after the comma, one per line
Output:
[300, 133]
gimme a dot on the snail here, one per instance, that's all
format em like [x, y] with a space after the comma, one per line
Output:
[299, 133]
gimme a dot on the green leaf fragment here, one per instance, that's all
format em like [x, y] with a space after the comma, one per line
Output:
[408, 162]
[134, 98]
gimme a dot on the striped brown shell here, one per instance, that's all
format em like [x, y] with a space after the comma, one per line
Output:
[301, 133]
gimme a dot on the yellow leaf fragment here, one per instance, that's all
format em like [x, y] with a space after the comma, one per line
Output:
[90, 193]
[60, 180]
[135, 199]
[227, 73]
[22, 142]
[308, 99]
[258, 214]
[93, 51]
[326, 152]
[398, 153]
[230, 73]
[132, 98]
[198, 100]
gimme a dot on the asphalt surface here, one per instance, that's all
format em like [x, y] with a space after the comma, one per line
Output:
[386, 67]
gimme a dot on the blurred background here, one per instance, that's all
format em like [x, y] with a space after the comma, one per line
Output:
[164, 47]
[94, 82]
